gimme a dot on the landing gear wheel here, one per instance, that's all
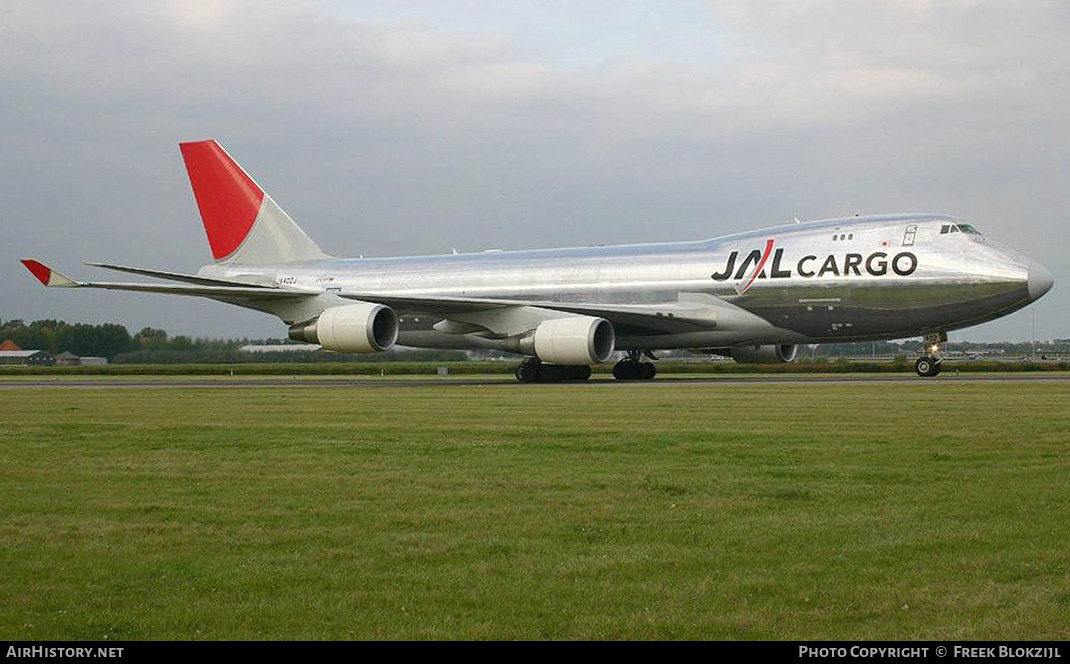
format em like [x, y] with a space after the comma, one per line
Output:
[579, 372]
[552, 373]
[528, 371]
[534, 371]
[632, 369]
[927, 366]
[923, 366]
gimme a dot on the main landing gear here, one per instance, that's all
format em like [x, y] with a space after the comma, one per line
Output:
[928, 365]
[531, 370]
[631, 368]
[534, 371]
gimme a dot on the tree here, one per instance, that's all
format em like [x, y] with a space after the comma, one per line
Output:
[150, 338]
[105, 340]
[28, 338]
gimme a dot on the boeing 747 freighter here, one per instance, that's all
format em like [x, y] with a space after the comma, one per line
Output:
[753, 296]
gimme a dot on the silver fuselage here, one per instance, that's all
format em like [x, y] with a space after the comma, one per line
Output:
[857, 278]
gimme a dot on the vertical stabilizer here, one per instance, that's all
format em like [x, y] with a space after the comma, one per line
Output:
[244, 225]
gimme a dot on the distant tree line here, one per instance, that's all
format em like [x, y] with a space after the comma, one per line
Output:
[155, 346]
[236, 356]
[104, 340]
[57, 336]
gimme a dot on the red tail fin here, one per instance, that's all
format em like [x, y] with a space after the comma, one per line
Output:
[227, 197]
[244, 225]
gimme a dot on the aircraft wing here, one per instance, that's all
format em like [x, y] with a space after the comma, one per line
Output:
[687, 315]
[668, 318]
[54, 279]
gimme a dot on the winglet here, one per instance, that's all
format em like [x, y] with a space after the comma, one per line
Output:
[47, 275]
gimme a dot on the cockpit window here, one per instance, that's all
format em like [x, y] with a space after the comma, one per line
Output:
[956, 228]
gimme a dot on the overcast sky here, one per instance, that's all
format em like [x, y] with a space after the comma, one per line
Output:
[389, 128]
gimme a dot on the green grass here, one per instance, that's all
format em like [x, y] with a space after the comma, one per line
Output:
[927, 510]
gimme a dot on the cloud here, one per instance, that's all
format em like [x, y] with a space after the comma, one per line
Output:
[395, 134]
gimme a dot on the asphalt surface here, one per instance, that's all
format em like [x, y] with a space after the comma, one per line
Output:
[505, 381]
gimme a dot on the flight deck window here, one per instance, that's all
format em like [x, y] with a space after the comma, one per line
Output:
[954, 229]
[945, 229]
[966, 228]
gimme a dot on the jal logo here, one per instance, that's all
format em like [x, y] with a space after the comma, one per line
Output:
[876, 264]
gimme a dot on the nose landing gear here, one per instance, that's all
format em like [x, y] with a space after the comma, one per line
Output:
[928, 365]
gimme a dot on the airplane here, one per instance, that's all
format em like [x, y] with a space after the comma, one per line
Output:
[754, 296]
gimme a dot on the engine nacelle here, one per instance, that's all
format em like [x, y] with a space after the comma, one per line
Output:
[572, 340]
[770, 354]
[354, 328]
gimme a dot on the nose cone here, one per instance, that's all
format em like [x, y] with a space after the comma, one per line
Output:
[1039, 280]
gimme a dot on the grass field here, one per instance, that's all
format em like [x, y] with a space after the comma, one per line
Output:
[923, 510]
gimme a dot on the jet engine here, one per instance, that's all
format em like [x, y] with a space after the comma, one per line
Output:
[770, 354]
[354, 328]
[573, 340]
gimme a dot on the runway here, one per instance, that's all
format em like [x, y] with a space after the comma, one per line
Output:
[505, 381]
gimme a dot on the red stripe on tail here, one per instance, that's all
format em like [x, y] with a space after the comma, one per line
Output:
[228, 199]
[42, 272]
